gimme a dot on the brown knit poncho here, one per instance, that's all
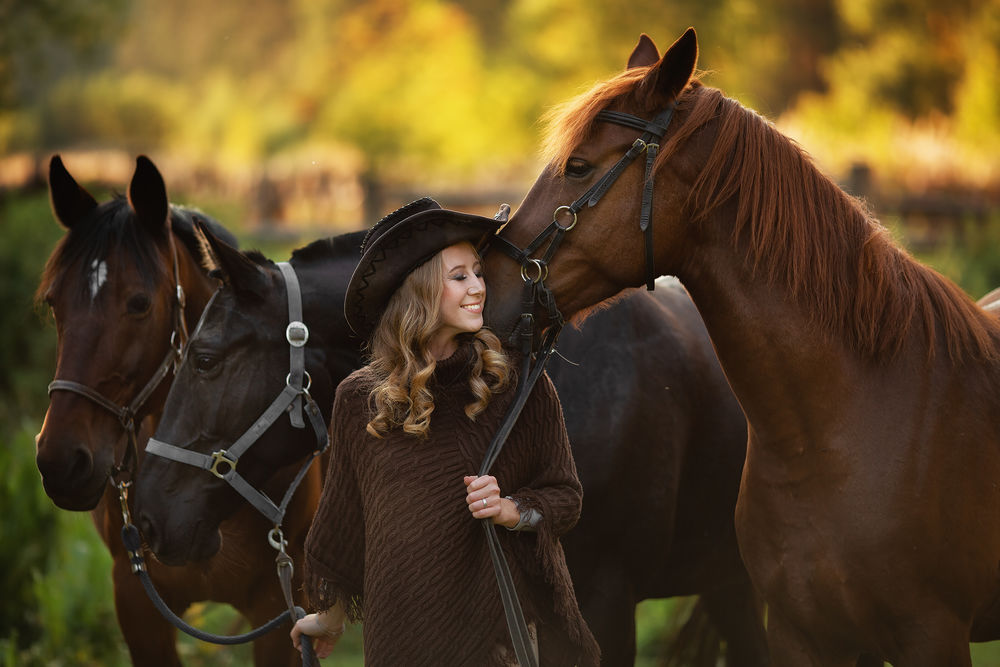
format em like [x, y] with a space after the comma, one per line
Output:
[394, 541]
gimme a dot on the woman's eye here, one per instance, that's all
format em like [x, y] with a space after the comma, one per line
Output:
[577, 168]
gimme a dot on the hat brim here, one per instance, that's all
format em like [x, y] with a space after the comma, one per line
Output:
[394, 255]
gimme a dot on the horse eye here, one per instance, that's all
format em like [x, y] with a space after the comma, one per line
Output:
[138, 304]
[204, 362]
[577, 168]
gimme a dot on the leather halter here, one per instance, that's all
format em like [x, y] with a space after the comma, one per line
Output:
[534, 270]
[127, 414]
[222, 463]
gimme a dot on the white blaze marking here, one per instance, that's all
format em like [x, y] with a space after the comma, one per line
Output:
[98, 276]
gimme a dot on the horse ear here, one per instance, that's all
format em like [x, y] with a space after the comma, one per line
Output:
[676, 67]
[148, 195]
[231, 266]
[70, 202]
[644, 54]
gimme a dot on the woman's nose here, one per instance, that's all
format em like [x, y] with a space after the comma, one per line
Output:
[477, 286]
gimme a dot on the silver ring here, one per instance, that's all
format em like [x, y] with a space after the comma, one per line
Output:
[484, 502]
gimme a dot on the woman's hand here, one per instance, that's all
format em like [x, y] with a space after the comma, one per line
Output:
[324, 628]
[483, 498]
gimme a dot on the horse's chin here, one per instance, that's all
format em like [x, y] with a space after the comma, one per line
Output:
[201, 546]
[80, 500]
[500, 320]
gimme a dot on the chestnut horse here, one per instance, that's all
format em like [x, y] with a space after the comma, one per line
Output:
[658, 438]
[869, 505]
[112, 284]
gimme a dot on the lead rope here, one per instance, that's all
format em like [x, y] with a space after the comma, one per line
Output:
[133, 543]
[290, 401]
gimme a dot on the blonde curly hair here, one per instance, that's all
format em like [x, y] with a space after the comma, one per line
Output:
[403, 364]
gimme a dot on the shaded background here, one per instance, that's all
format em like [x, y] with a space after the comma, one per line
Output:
[289, 120]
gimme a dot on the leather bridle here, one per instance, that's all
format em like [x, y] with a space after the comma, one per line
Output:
[222, 462]
[534, 270]
[128, 414]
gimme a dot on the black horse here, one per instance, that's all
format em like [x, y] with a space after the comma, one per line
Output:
[658, 437]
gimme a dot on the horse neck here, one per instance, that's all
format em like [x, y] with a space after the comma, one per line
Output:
[784, 370]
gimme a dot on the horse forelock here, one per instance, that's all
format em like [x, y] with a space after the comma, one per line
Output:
[799, 229]
[109, 228]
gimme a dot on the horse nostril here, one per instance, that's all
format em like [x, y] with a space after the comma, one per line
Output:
[81, 465]
[147, 531]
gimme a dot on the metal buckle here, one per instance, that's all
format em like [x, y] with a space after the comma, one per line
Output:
[555, 218]
[305, 376]
[543, 270]
[222, 456]
[296, 333]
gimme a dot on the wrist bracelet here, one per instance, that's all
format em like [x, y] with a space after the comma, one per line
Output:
[528, 517]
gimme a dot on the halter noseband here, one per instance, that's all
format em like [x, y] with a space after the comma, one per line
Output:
[534, 271]
[127, 414]
[222, 463]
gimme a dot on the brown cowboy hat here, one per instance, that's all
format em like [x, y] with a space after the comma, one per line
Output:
[399, 243]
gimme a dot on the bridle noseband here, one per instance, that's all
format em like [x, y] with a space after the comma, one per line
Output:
[222, 462]
[535, 270]
[127, 414]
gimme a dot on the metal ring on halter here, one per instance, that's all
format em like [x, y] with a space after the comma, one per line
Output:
[222, 456]
[305, 374]
[543, 270]
[277, 539]
[555, 218]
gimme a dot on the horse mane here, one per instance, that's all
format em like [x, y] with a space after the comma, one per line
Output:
[799, 229]
[90, 239]
[182, 224]
[343, 245]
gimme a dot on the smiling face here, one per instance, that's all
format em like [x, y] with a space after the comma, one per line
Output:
[462, 297]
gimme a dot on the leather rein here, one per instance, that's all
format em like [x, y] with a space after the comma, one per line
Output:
[128, 414]
[534, 271]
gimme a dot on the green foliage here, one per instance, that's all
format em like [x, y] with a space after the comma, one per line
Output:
[27, 349]
[53, 568]
[970, 255]
[25, 534]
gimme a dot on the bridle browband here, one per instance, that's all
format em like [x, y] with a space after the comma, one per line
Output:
[127, 414]
[535, 270]
[222, 462]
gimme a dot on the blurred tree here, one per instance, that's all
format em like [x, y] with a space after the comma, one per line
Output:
[41, 42]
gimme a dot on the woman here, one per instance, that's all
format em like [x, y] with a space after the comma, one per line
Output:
[395, 535]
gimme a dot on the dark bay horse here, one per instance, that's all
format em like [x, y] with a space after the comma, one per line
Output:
[659, 452]
[112, 285]
[869, 506]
